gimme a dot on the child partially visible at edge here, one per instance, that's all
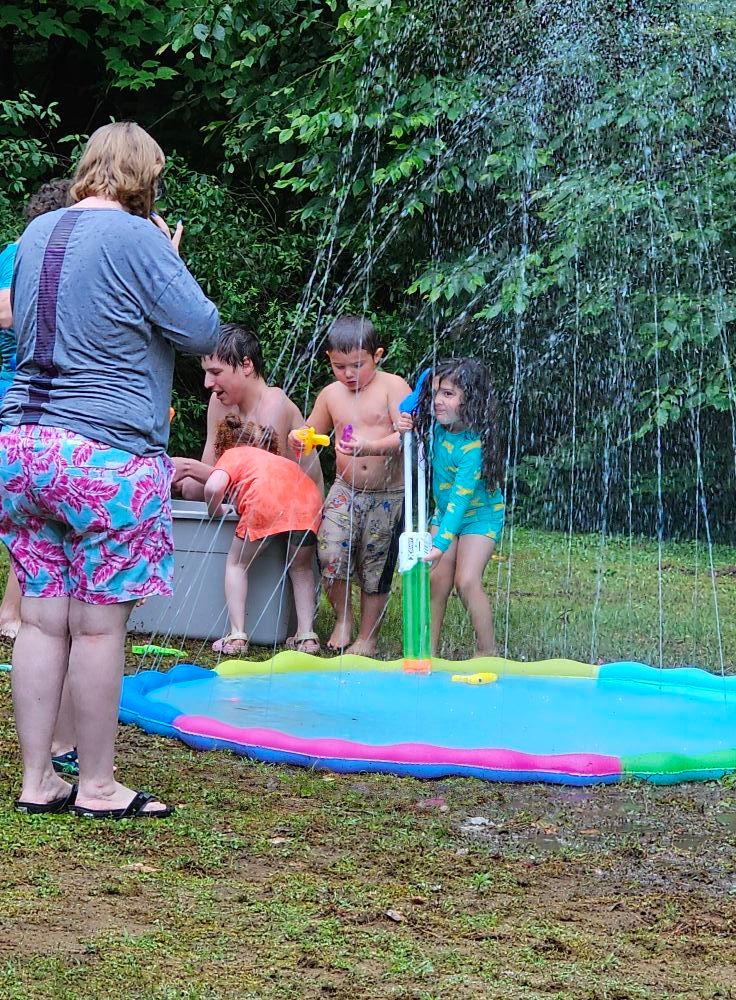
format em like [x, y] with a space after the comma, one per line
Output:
[457, 420]
[363, 511]
[274, 497]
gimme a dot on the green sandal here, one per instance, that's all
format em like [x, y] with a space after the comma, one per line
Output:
[66, 763]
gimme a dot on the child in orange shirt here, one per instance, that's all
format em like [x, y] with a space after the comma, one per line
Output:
[273, 497]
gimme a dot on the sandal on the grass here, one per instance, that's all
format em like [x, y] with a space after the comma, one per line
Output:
[227, 645]
[135, 809]
[66, 763]
[304, 642]
[64, 803]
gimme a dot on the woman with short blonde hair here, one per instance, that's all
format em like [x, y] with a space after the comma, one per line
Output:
[121, 162]
[100, 300]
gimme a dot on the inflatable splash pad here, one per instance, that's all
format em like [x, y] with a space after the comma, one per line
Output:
[554, 721]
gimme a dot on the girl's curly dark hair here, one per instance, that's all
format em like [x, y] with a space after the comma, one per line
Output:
[478, 411]
[233, 433]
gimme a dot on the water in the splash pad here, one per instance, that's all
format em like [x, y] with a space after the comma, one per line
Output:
[537, 715]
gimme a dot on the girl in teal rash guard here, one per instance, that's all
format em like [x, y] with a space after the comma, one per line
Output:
[7, 338]
[456, 417]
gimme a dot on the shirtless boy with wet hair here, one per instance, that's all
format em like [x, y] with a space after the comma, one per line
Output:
[363, 511]
[234, 377]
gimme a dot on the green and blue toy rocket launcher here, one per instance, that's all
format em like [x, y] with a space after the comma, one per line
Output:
[414, 545]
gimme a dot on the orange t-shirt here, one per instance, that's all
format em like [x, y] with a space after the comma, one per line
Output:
[271, 493]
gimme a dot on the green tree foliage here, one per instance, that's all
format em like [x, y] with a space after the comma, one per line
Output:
[117, 35]
[548, 186]
[24, 159]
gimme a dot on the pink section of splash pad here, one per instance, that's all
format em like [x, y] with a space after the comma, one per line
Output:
[419, 754]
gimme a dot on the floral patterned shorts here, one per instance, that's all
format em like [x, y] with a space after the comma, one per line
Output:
[84, 520]
[360, 534]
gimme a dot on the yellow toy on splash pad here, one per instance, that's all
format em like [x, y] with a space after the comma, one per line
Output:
[486, 678]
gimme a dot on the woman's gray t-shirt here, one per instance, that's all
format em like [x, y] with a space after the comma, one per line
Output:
[100, 299]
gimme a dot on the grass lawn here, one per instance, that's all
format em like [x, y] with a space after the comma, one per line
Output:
[557, 596]
[273, 883]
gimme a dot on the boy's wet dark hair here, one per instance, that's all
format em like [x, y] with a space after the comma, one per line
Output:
[350, 333]
[237, 343]
[50, 196]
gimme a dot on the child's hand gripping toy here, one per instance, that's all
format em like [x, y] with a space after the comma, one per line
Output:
[348, 443]
[309, 439]
[413, 545]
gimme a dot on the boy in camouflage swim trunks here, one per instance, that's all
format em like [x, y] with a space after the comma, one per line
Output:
[363, 511]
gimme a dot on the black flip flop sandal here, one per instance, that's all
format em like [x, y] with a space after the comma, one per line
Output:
[64, 803]
[135, 809]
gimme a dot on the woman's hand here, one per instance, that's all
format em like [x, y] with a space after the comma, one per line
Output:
[159, 223]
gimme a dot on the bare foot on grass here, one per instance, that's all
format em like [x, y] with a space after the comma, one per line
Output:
[363, 647]
[340, 636]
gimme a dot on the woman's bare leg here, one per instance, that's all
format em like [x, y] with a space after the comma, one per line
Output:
[64, 737]
[190, 489]
[96, 660]
[40, 659]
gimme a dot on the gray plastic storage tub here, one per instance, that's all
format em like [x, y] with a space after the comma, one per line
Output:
[197, 608]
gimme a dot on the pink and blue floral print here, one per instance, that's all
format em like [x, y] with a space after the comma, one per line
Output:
[82, 519]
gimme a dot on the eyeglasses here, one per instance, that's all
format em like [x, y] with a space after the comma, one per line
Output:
[159, 188]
